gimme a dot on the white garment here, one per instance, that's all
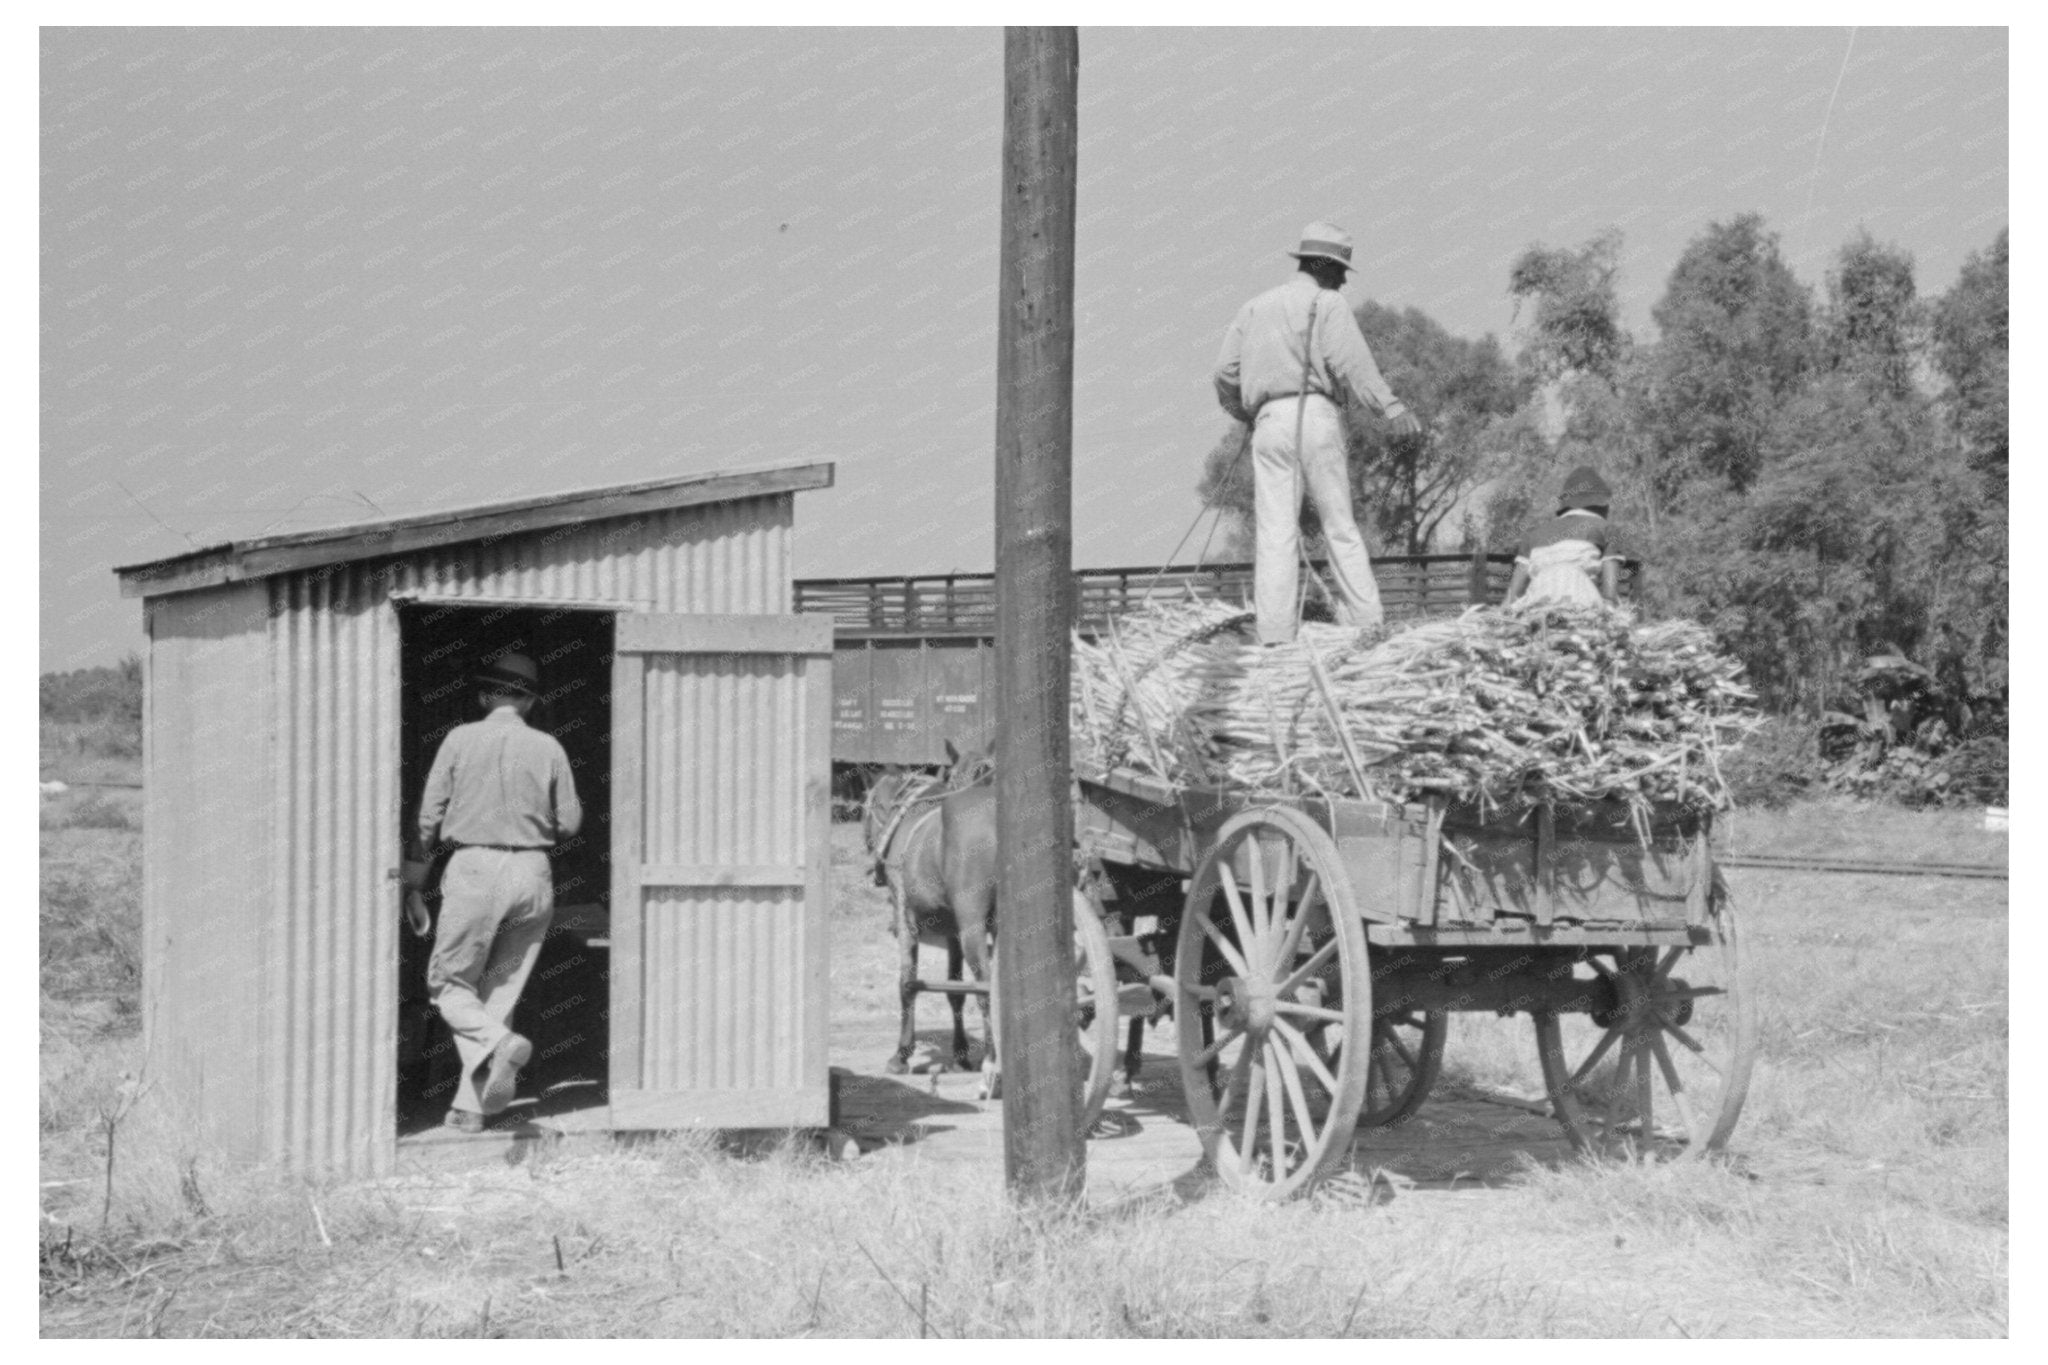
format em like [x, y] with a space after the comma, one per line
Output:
[1278, 475]
[1562, 574]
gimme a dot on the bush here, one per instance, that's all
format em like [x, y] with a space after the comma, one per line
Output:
[93, 811]
[1777, 765]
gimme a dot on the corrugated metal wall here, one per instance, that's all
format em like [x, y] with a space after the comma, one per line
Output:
[332, 918]
[719, 557]
[206, 891]
[725, 753]
[334, 726]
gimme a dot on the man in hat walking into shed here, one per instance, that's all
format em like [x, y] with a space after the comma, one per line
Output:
[1288, 359]
[502, 793]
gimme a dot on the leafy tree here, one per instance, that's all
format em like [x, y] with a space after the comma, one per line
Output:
[1576, 321]
[1972, 340]
[1735, 342]
[1872, 316]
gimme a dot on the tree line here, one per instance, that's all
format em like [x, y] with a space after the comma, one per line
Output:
[1820, 476]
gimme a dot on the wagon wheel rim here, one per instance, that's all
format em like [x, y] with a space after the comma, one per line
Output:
[1267, 960]
[1095, 1016]
[1095, 1005]
[1661, 1070]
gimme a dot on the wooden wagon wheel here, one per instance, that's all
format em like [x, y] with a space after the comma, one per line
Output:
[1661, 1068]
[1095, 1005]
[1407, 1053]
[1266, 963]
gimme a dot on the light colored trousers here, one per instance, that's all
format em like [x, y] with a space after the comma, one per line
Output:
[1278, 475]
[495, 908]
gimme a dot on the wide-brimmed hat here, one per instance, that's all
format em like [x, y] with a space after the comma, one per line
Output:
[1325, 241]
[509, 673]
[1584, 487]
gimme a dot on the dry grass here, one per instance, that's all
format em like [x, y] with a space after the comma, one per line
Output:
[1867, 1195]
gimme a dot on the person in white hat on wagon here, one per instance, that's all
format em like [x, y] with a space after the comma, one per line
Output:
[1288, 358]
[503, 794]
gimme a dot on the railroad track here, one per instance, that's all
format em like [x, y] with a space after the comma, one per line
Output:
[1777, 863]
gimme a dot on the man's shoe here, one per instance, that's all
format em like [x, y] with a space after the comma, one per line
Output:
[464, 1121]
[501, 1083]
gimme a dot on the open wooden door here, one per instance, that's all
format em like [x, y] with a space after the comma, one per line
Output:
[721, 830]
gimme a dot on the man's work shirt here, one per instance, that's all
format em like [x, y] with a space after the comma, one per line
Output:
[1262, 359]
[498, 781]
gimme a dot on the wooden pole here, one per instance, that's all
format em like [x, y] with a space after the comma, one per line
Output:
[1042, 1143]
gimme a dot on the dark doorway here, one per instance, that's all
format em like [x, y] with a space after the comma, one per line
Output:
[565, 1006]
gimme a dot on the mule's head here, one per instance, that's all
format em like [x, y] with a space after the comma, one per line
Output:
[970, 768]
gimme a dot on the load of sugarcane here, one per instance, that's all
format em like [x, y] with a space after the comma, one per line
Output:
[1498, 707]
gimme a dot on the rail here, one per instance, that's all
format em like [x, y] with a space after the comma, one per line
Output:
[1790, 863]
[965, 603]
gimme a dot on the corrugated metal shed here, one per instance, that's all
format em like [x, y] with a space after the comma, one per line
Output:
[275, 718]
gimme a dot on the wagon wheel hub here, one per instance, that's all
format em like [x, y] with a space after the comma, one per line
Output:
[1246, 1003]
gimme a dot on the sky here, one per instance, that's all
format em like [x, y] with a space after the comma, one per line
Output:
[300, 277]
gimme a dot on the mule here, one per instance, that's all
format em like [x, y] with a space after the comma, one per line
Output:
[933, 840]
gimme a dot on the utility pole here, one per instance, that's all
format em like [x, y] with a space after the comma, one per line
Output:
[1043, 1152]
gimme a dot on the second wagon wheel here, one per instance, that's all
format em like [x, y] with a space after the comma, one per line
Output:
[1095, 1017]
[1407, 1054]
[1660, 1066]
[1274, 1009]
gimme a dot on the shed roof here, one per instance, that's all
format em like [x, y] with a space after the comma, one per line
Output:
[236, 560]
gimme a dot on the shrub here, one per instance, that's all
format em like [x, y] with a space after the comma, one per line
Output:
[1776, 765]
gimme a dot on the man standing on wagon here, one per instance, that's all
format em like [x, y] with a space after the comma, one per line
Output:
[503, 794]
[1288, 358]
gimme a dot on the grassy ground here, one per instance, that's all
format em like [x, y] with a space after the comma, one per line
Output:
[1866, 1196]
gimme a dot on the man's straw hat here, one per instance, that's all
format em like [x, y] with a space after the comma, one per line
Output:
[1326, 241]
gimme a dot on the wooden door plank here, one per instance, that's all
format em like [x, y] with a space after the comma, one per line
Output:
[816, 776]
[629, 728]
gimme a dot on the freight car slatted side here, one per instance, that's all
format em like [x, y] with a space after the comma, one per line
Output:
[964, 604]
[914, 659]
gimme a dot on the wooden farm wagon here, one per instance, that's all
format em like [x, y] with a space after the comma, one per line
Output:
[296, 688]
[1312, 950]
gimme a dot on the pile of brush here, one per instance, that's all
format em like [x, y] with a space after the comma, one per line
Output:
[1495, 706]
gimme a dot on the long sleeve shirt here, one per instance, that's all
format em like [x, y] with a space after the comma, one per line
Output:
[1262, 359]
[498, 781]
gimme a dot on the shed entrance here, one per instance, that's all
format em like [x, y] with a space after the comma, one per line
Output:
[565, 1002]
[683, 981]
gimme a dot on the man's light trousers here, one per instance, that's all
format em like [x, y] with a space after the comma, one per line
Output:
[1278, 475]
[495, 908]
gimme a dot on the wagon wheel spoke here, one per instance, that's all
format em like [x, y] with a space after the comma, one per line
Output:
[1297, 1097]
[1276, 1113]
[1260, 910]
[1255, 1096]
[1228, 881]
[1290, 942]
[1593, 1057]
[1305, 1053]
[1670, 960]
[1315, 962]
[1694, 1044]
[1295, 1007]
[1215, 1049]
[1610, 1107]
[1226, 947]
[1393, 1041]
[1676, 1087]
[1646, 1115]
